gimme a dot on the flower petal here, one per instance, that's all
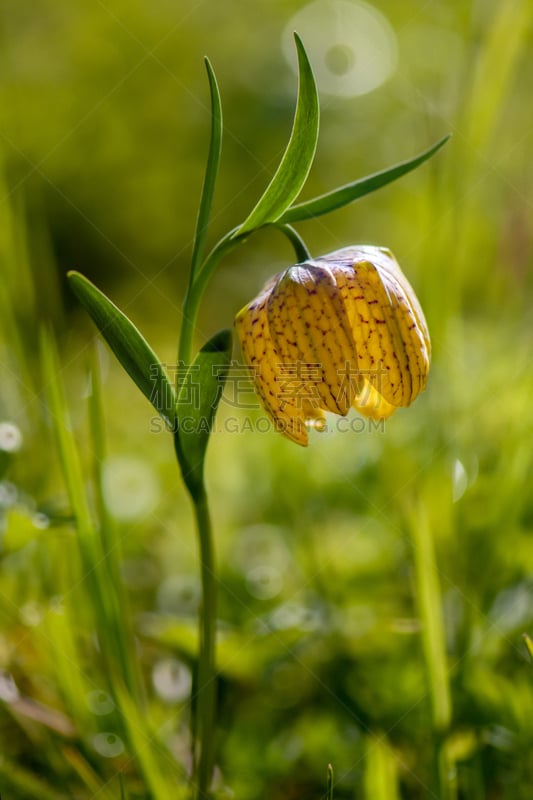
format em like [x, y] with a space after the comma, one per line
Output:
[259, 353]
[310, 329]
[371, 404]
[392, 345]
[386, 262]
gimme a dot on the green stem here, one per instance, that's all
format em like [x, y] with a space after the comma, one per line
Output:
[195, 291]
[206, 688]
[446, 782]
[200, 279]
[203, 724]
[203, 727]
[300, 248]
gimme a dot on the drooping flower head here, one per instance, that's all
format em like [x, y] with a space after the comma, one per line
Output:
[342, 330]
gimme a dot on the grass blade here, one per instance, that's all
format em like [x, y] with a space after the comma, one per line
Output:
[504, 40]
[529, 645]
[60, 628]
[66, 445]
[294, 167]
[353, 191]
[429, 602]
[329, 789]
[380, 778]
[211, 172]
[85, 771]
[123, 795]
[128, 344]
[120, 642]
[164, 777]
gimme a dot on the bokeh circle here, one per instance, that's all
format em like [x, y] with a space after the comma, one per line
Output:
[351, 45]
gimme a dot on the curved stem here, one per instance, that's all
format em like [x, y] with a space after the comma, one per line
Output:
[206, 688]
[197, 286]
[195, 291]
[206, 676]
[300, 247]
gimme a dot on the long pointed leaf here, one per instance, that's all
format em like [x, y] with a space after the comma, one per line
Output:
[163, 776]
[294, 168]
[353, 191]
[529, 645]
[118, 637]
[329, 790]
[211, 172]
[66, 444]
[197, 405]
[128, 344]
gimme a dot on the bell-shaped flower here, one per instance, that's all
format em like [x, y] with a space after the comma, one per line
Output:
[342, 330]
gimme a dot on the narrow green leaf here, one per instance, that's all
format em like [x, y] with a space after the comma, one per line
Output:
[66, 443]
[198, 400]
[380, 779]
[163, 776]
[60, 627]
[294, 167]
[329, 791]
[128, 344]
[529, 645]
[429, 601]
[117, 638]
[211, 172]
[353, 191]
[87, 773]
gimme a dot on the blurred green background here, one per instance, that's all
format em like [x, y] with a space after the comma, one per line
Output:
[374, 588]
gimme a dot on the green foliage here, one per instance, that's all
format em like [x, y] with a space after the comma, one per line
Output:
[329, 790]
[357, 189]
[211, 172]
[381, 780]
[108, 618]
[198, 401]
[362, 582]
[129, 346]
[529, 645]
[294, 167]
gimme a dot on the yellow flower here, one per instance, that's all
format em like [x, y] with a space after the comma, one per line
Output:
[338, 331]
